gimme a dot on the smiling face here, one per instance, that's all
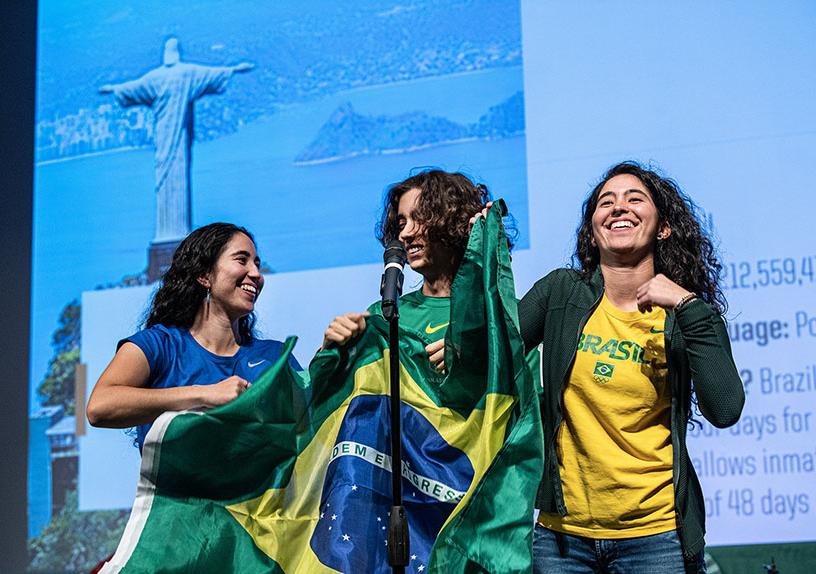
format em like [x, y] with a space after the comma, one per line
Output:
[625, 223]
[429, 259]
[235, 280]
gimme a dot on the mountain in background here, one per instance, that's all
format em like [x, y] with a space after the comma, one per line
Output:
[347, 133]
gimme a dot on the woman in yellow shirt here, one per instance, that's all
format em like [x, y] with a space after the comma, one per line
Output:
[644, 306]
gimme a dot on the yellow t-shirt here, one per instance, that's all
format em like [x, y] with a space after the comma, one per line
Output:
[614, 444]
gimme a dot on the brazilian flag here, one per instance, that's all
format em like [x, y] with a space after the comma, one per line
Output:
[295, 475]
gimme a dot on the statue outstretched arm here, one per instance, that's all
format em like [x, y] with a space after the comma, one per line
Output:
[243, 67]
[139, 92]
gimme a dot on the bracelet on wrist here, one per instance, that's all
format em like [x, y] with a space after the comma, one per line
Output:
[684, 300]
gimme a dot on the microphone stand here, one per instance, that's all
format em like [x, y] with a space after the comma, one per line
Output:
[398, 538]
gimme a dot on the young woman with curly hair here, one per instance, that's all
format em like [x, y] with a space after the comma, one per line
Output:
[197, 349]
[430, 214]
[627, 337]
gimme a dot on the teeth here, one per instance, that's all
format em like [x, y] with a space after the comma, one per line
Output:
[622, 225]
[249, 289]
[413, 249]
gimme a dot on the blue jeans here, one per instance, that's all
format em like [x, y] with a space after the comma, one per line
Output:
[557, 553]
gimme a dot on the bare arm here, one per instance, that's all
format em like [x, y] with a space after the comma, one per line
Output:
[121, 398]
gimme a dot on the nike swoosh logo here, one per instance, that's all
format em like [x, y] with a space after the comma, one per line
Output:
[250, 364]
[653, 330]
[430, 330]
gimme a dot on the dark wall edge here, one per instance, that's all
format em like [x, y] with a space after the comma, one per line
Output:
[18, 25]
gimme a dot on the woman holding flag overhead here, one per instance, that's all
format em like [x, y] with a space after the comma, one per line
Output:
[198, 349]
[429, 213]
[644, 306]
[470, 437]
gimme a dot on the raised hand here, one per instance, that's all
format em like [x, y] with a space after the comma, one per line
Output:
[436, 354]
[224, 391]
[344, 328]
[660, 291]
[482, 213]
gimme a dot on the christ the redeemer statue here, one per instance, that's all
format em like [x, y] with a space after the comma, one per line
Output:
[171, 90]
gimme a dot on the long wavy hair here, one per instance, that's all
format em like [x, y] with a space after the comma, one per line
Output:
[687, 256]
[180, 295]
[446, 203]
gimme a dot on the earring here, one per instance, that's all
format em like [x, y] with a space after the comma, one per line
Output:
[208, 295]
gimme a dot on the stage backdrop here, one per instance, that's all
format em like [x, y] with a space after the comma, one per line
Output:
[292, 118]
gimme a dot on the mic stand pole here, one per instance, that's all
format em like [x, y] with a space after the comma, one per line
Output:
[398, 539]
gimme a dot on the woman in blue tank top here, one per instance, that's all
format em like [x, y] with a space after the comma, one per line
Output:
[197, 349]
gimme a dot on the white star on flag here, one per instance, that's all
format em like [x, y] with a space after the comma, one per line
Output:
[421, 568]
[353, 487]
[334, 517]
[413, 556]
[346, 537]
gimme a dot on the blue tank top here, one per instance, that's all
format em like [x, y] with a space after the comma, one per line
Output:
[176, 359]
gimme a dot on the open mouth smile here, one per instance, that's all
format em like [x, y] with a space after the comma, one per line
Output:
[622, 224]
[413, 250]
[249, 288]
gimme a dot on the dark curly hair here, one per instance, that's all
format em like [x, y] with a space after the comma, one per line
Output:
[180, 295]
[446, 203]
[687, 256]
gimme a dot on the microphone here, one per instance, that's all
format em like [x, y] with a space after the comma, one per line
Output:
[391, 284]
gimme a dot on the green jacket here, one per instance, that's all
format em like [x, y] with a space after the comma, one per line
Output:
[553, 313]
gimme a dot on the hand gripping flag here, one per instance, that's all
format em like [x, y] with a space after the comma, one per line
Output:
[295, 475]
